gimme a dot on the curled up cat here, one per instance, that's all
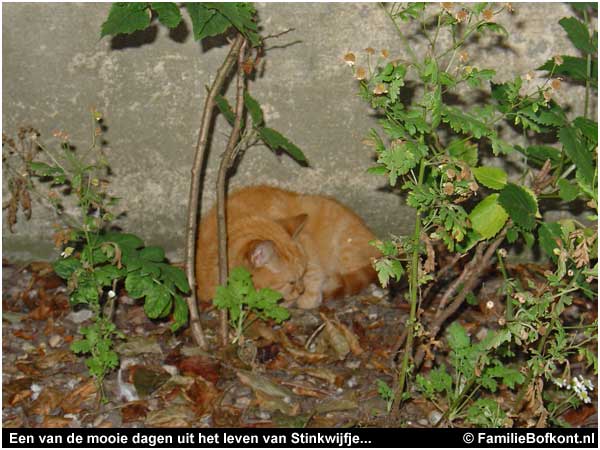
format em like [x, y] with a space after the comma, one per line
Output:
[307, 247]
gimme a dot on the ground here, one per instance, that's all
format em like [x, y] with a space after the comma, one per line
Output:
[319, 369]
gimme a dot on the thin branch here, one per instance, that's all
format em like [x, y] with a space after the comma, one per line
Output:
[226, 161]
[194, 199]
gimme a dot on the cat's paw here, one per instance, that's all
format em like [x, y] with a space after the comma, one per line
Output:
[310, 300]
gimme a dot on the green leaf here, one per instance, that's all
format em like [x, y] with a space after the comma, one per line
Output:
[176, 276]
[81, 346]
[567, 190]
[225, 108]
[206, 22]
[125, 18]
[539, 154]
[155, 254]
[137, 286]
[578, 153]
[491, 177]
[377, 170]
[520, 204]
[105, 275]
[500, 147]
[254, 109]
[168, 13]
[401, 158]
[488, 217]
[458, 339]
[64, 267]
[573, 67]
[549, 235]
[464, 151]
[388, 268]
[158, 301]
[240, 15]
[588, 128]
[464, 123]
[126, 241]
[578, 34]
[276, 140]
[180, 313]
[492, 27]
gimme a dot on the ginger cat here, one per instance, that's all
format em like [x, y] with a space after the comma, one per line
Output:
[307, 247]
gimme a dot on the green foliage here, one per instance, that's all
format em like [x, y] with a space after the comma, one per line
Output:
[95, 262]
[208, 19]
[243, 301]
[435, 153]
[386, 393]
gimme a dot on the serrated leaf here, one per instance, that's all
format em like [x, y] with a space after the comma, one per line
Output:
[567, 190]
[578, 153]
[539, 154]
[578, 34]
[276, 141]
[491, 177]
[105, 275]
[155, 254]
[64, 267]
[168, 13]
[387, 269]
[180, 313]
[377, 170]
[488, 217]
[254, 109]
[520, 204]
[548, 235]
[158, 301]
[137, 285]
[206, 22]
[177, 276]
[464, 123]
[125, 18]
[573, 67]
[464, 150]
[240, 15]
[458, 338]
[500, 147]
[588, 128]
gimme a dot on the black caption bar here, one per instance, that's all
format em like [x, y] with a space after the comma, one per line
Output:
[302, 438]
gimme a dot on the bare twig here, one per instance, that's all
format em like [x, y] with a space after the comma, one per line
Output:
[194, 199]
[281, 33]
[226, 161]
[471, 274]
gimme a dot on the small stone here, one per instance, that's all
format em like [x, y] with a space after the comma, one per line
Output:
[423, 422]
[80, 316]
[263, 415]
[434, 417]
[352, 382]
[55, 341]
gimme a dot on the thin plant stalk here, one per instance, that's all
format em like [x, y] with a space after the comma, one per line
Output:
[194, 199]
[226, 161]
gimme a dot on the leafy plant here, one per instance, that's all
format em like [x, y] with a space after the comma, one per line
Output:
[449, 160]
[96, 261]
[386, 393]
[211, 19]
[245, 304]
[474, 369]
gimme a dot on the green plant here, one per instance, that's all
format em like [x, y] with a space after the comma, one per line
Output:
[474, 368]
[436, 151]
[245, 304]
[211, 19]
[386, 393]
[95, 260]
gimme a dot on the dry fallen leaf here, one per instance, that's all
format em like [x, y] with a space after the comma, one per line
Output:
[56, 422]
[335, 338]
[206, 367]
[48, 399]
[180, 416]
[73, 403]
[134, 411]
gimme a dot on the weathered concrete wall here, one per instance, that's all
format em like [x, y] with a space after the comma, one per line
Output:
[151, 89]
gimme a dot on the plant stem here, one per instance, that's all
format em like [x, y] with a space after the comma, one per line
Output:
[413, 296]
[402, 36]
[509, 303]
[194, 198]
[226, 161]
[588, 73]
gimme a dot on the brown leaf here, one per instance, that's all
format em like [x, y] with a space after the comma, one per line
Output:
[53, 359]
[335, 338]
[300, 354]
[27, 368]
[172, 417]
[23, 335]
[146, 379]
[352, 339]
[134, 411]
[56, 422]
[202, 394]
[206, 367]
[73, 402]
[270, 403]
[48, 399]
[578, 417]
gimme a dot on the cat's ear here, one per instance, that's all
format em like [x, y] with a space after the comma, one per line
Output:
[294, 225]
[261, 253]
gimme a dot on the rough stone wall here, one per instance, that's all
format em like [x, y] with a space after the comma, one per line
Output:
[151, 87]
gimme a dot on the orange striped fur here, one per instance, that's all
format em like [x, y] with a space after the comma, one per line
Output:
[308, 247]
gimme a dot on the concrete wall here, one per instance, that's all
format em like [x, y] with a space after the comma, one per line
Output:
[151, 88]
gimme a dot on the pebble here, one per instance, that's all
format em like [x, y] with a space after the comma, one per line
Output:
[423, 422]
[352, 382]
[434, 417]
[378, 293]
[35, 390]
[263, 415]
[55, 341]
[79, 316]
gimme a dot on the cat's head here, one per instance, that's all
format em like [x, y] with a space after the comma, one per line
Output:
[278, 260]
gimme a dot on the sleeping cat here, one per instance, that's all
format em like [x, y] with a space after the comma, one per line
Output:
[307, 247]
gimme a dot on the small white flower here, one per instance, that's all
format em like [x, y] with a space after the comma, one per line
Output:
[111, 294]
[67, 252]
